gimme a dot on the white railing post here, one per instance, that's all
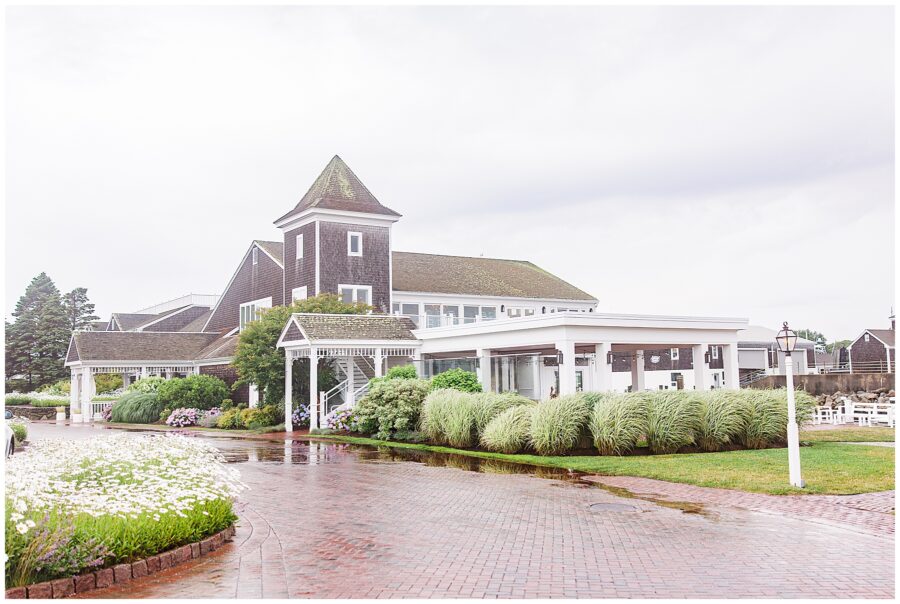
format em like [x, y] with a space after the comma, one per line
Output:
[288, 391]
[314, 393]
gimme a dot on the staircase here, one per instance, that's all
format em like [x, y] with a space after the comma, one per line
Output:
[363, 371]
[752, 377]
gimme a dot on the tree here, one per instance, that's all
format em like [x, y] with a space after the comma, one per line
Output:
[258, 360]
[79, 310]
[837, 345]
[813, 336]
[36, 342]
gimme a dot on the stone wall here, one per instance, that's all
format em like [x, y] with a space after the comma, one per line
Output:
[34, 413]
[832, 382]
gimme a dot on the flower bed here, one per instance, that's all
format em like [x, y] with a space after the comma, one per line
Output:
[78, 506]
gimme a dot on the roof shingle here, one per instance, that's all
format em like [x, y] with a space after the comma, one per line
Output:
[355, 327]
[414, 272]
[338, 188]
[140, 345]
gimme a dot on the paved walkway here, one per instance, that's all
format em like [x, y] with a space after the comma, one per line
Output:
[337, 521]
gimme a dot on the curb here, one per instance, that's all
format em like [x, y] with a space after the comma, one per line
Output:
[121, 573]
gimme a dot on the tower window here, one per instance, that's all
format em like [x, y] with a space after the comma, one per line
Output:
[300, 246]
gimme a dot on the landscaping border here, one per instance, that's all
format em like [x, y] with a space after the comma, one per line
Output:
[121, 573]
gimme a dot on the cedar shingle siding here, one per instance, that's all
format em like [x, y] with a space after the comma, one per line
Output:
[179, 320]
[251, 282]
[867, 352]
[300, 272]
[372, 268]
[664, 361]
[228, 374]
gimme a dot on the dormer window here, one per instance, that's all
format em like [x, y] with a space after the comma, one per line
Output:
[354, 244]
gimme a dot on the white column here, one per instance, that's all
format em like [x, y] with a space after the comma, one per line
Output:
[73, 389]
[288, 391]
[698, 351]
[536, 377]
[730, 362]
[484, 368]
[145, 373]
[504, 385]
[351, 383]
[567, 367]
[793, 431]
[253, 395]
[313, 388]
[87, 388]
[379, 363]
[602, 370]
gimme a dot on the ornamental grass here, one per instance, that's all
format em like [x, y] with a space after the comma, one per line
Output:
[489, 405]
[448, 417]
[673, 419]
[618, 422]
[723, 419]
[137, 408]
[75, 506]
[767, 415]
[510, 431]
[559, 424]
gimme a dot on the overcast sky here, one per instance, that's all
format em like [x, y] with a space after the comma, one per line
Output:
[701, 161]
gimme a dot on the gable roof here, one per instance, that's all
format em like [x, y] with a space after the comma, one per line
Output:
[137, 345]
[197, 324]
[129, 320]
[338, 188]
[316, 327]
[275, 249]
[222, 347]
[885, 336]
[464, 275]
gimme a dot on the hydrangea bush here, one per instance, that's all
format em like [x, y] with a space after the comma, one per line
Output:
[183, 417]
[341, 419]
[300, 416]
[76, 505]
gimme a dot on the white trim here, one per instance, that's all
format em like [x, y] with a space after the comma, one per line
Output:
[350, 252]
[355, 291]
[311, 214]
[871, 334]
[318, 258]
[255, 255]
[298, 244]
[264, 251]
[514, 299]
[390, 300]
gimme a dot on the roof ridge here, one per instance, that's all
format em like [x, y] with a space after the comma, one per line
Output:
[470, 257]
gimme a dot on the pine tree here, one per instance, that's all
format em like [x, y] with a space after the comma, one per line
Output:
[79, 310]
[36, 342]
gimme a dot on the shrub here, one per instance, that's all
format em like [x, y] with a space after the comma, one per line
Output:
[766, 415]
[230, 420]
[673, 419]
[723, 418]
[107, 412]
[210, 418]
[448, 417]
[195, 391]
[489, 405]
[226, 404]
[300, 416]
[106, 382]
[618, 421]
[509, 431]
[410, 436]
[259, 417]
[391, 405]
[341, 420]
[184, 417]
[63, 387]
[19, 430]
[457, 379]
[137, 408]
[147, 384]
[559, 424]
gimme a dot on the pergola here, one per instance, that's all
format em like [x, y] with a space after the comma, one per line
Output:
[347, 339]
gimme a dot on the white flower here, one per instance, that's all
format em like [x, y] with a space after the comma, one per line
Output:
[30, 523]
[22, 528]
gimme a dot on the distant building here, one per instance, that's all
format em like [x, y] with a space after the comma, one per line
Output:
[873, 351]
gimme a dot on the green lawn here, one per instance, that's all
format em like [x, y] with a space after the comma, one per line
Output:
[828, 468]
[850, 434]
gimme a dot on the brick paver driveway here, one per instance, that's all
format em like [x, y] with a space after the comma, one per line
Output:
[325, 520]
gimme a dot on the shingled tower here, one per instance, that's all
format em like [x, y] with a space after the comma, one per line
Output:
[338, 239]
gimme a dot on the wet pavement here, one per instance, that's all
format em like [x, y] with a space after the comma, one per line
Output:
[330, 520]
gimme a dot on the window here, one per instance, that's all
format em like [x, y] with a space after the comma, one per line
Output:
[674, 379]
[513, 312]
[432, 315]
[255, 255]
[866, 337]
[488, 313]
[715, 352]
[674, 354]
[354, 244]
[579, 381]
[355, 293]
[300, 246]
[298, 293]
[250, 311]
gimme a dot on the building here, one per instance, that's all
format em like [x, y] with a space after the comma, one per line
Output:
[873, 351]
[517, 325]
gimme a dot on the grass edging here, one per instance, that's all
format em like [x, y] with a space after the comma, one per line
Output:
[829, 468]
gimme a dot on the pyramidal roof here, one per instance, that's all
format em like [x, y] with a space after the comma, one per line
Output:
[338, 188]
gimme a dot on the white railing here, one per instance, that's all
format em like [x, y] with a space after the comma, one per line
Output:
[431, 321]
[752, 377]
[97, 408]
[327, 396]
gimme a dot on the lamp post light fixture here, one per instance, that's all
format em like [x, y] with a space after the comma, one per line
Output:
[787, 341]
